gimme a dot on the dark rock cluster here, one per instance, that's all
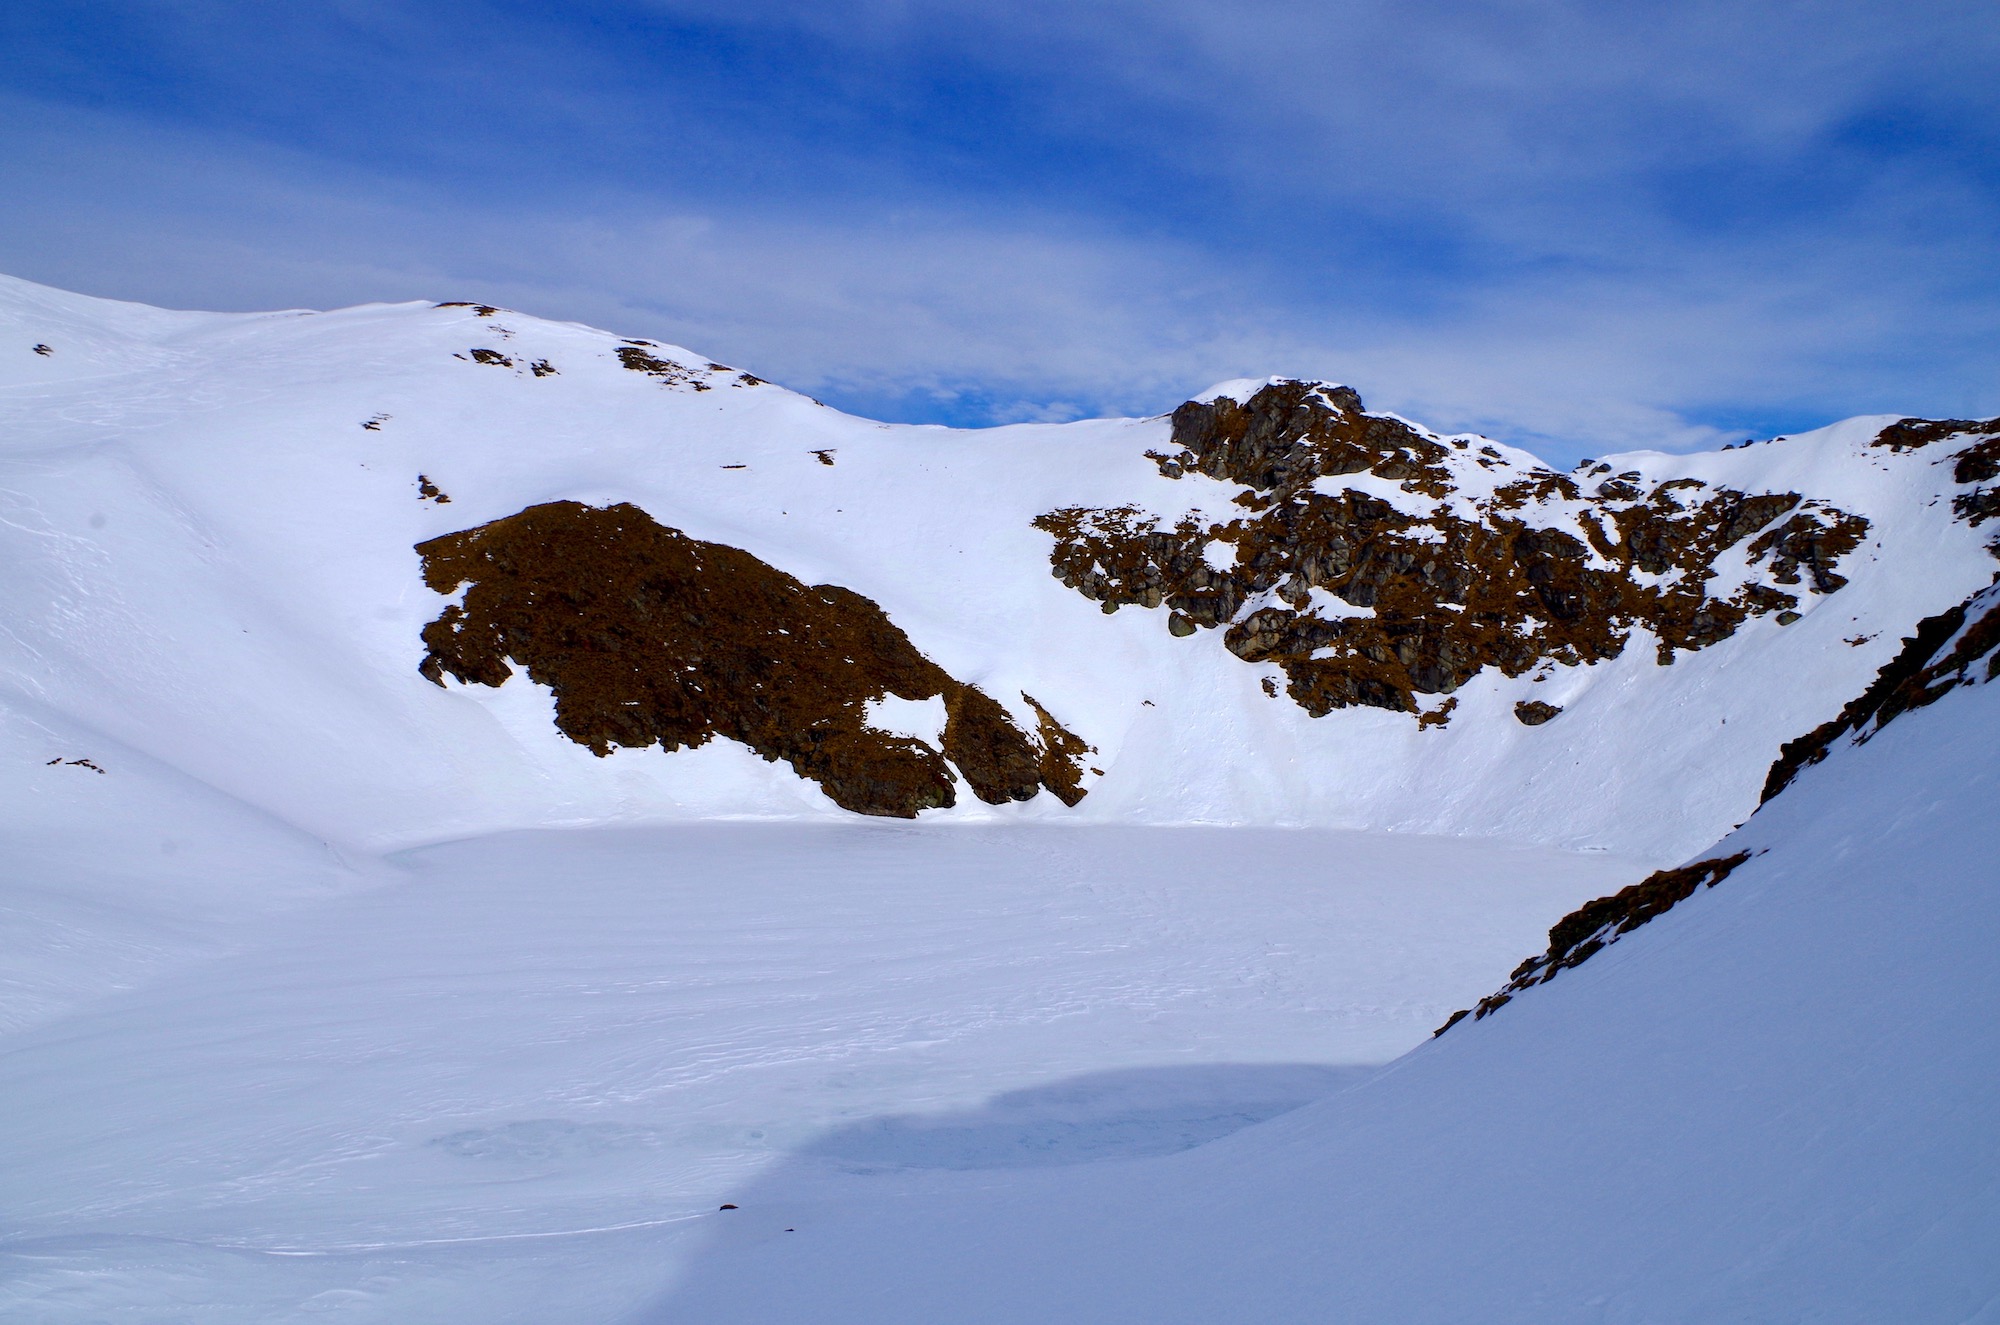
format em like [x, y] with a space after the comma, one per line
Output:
[638, 356]
[648, 637]
[1448, 584]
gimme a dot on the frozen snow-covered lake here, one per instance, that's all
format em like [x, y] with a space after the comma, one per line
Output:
[519, 1074]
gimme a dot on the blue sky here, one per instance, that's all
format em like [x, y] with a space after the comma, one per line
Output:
[1582, 227]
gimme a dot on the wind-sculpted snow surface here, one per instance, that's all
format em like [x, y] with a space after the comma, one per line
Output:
[1375, 562]
[645, 636]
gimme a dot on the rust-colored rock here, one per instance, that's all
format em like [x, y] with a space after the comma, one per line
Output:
[1910, 434]
[1063, 752]
[646, 636]
[1538, 571]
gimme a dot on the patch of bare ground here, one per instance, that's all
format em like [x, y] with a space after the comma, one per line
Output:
[1062, 763]
[1592, 927]
[1453, 577]
[648, 637]
[638, 356]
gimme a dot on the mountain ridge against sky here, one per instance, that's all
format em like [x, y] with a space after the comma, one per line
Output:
[274, 467]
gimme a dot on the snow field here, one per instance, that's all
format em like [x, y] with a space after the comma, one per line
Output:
[518, 1039]
[1774, 1103]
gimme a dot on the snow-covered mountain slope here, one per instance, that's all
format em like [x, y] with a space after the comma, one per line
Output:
[313, 627]
[511, 1079]
[1773, 1102]
[211, 525]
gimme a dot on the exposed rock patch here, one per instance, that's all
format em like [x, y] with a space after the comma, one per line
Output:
[1910, 434]
[1592, 927]
[1533, 712]
[638, 356]
[1062, 764]
[1457, 560]
[646, 636]
[59, 761]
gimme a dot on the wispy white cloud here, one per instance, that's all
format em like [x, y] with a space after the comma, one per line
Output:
[1576, 227]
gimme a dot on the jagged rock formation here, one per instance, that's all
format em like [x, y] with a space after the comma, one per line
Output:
[1439, 558]
[647, 636]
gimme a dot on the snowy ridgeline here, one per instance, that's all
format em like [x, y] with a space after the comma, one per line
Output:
[211, 524]
[317, 1000]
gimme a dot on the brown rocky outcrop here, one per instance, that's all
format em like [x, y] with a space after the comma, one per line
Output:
[1451, 577]
[648, 637]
